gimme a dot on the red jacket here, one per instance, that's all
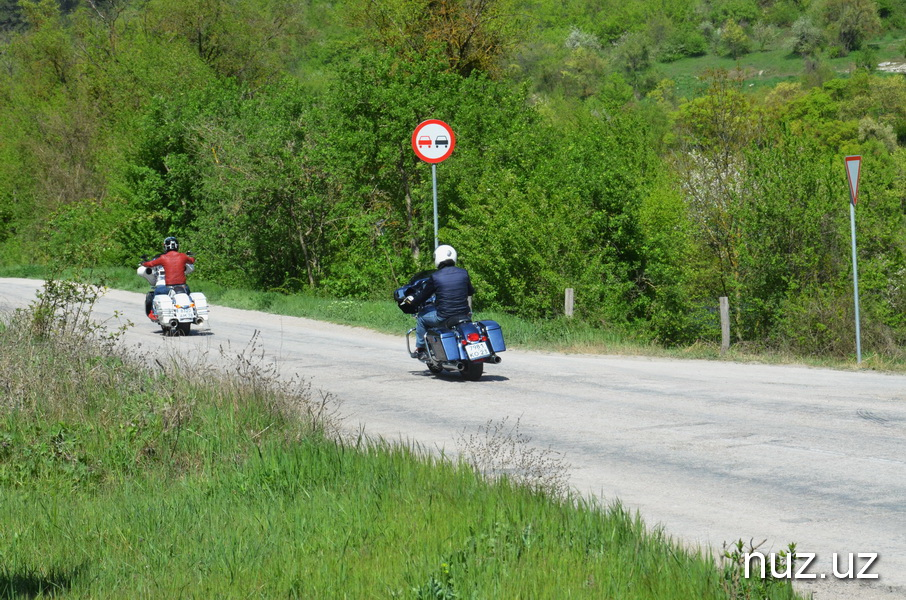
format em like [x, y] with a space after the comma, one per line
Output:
[174, 264]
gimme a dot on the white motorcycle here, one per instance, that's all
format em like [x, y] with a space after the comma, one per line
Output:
[172, 307]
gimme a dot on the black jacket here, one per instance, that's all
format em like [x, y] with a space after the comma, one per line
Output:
[451, 287]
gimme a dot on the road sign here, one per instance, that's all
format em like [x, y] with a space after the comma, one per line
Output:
[853, 168]
[433, 141]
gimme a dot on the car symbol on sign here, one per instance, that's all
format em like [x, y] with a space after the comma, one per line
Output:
[442, 140]
[424, 141]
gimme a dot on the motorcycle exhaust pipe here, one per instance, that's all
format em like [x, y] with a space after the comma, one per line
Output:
[199, 320]
[460, 366]
[174, 323]
[496, 360]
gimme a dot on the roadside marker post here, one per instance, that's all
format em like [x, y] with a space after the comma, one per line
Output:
[433, 142]
[853, 170]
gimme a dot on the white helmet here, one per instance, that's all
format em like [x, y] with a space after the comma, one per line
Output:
[444, 253]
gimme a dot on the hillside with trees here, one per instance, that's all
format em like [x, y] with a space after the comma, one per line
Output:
[651, 155]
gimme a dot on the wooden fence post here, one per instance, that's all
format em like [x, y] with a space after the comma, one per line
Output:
[569, 302]
[724, 324]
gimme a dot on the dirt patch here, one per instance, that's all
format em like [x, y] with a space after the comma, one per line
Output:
[893, 66]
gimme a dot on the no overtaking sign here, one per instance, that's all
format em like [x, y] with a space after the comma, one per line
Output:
[433, 141]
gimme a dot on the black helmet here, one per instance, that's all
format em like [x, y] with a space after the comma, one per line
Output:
[170, 244]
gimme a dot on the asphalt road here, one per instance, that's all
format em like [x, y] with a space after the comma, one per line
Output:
[712, 452]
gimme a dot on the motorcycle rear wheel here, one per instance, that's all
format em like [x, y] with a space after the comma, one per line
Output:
[183, 329]
[473, 371]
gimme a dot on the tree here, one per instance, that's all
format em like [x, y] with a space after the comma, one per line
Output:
[715, 129]
[806, 36]
[10, 15]
[236, 39]
[471, 34]
[733, 39]
[851, 22]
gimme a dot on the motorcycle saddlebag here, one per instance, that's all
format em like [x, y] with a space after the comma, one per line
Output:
[163, 308]
[201, 304]
[495, 335]
[443, 344]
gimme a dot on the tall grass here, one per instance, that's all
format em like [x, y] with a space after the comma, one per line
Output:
[122, 479]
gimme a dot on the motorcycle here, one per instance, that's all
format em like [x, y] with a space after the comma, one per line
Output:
[173, 307]
[463, 346]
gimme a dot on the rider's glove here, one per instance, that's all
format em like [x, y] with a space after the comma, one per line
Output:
[407, 300]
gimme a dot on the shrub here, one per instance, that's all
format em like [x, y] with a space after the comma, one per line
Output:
[806, 36]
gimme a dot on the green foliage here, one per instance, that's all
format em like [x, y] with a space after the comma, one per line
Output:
[783, 13]
[795, 240]
[733, 39]
[807, 37]
[364, 131]
[776, 222]
[850, 22]
[734, 560]
[239, 40]
[670, 263]
[471, 36]
[10, 15]
[866, 59]
[584, 232]
[633, 54]
[88, 233]
[682, 42]
[747, 11]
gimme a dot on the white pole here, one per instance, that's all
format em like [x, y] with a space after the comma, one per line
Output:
[852, 222]
[724, 324]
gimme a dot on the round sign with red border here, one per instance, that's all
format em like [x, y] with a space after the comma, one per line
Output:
[433, 141]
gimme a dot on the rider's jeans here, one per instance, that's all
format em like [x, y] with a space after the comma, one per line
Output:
[427, 319]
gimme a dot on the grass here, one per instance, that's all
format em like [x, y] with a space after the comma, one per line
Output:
[121, 481]
[762, 70]
[556, 335]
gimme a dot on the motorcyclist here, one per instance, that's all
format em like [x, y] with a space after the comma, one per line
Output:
[174, 263]
[452, 289]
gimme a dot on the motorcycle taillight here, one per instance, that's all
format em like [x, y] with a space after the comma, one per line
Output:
[473, 337]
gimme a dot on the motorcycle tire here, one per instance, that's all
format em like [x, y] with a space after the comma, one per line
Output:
[183, 329]
[473, 371]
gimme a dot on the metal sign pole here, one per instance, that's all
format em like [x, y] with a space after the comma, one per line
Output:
[853, 170]
[852, 222]
[434, 181]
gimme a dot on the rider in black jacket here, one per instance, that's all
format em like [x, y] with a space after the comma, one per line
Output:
[451, 287]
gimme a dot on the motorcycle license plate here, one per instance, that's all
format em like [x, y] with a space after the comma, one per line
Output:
[185, 314]
[479, 350]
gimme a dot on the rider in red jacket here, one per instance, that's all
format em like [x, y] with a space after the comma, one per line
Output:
[173, 261]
